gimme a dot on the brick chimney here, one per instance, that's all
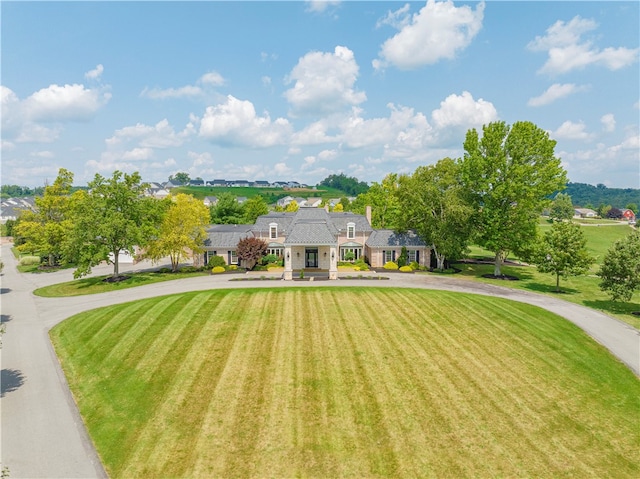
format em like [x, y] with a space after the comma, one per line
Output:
[367, 213]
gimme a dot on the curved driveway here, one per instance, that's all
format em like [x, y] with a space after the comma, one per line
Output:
[42, 434]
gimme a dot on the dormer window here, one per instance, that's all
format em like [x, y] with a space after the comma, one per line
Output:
[273, 230]
[351, 230]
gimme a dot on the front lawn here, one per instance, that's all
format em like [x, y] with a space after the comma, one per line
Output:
[347, 382]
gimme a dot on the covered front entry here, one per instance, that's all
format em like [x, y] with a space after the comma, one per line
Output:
[311, 257]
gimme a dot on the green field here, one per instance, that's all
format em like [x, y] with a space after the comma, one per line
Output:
[271, 195]
[349, 382]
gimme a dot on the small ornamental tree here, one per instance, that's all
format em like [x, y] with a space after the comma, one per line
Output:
[250, 250]
[614, 214]
[563, 252]
[620, 270]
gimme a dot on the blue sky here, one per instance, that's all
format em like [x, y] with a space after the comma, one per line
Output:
[300, 90]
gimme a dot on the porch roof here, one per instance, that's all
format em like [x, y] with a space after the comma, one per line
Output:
[311, 234]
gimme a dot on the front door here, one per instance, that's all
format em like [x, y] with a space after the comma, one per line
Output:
[311, 258]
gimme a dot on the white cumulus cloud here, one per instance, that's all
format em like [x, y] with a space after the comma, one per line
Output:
[572, 131]
[608, 122]
[235, 123]
[324, 82]
[65, 103]
[555, 92]
[463, 111]
[94, 74]
[567, 50]
[439, 30]
[319, 6]
[211, 79]
[161, 135]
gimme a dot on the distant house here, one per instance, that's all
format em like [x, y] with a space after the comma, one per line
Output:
[12, 208]
[158, 193]
[241, 199]
[584, 213]
[280, 184]
[261, 184]
[171, 184]
[218, 183]
[210, 200]
[197, 182]
[314, 239]
[239, 183]
[284, 202]
[628, 215]
[313, 202]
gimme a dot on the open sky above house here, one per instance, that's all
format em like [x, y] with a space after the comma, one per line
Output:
[300, 90]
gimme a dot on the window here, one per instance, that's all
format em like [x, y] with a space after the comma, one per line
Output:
[411, 256]
[351, 230]
[234, 257]
[356, 251]
[275, 251]
[388, 256]
[273, 230]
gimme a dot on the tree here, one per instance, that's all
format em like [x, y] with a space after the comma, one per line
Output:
[633, 207]
[180, 177]
[338, 208]
[348, 184]
[383, 199]
[292, 207]
[182, 229]
[254, 207]
[563, 252]
[603, 210]
[510, 172]
[614, 214]
[227, 211]
[562, 208]
[435, 205]
[250, 250]
[620, 270]
[45, 229]
[112, 217]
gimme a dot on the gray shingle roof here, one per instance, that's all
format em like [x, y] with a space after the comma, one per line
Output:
[381, 238]
[226, 236]
[310, 233]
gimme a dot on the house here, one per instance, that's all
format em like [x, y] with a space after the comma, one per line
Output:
[313, 202]
[218, 182]
[315, 239]
[11, 208]
[628, 215]
[241, 199]
[284, 202]
[158, 193]
[261, 184]
[239, 183]
[584, 213]
[210, 200]
[171, 184]
[196, 182]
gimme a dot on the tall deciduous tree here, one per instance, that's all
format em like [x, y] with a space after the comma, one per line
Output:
[562, 208]
[620, 270]
[111, 218]
[227, 211]
[383, 199]
[183, 230]
[435, 205]
[45, 229]
[250, 250]
[563, 252]
[254, 207]
[510, 172]
[180, 177]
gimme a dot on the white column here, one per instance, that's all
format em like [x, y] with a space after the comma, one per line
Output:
[288, 263]
[333, 265]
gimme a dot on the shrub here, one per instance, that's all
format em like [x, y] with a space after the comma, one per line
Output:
[164, 270]
[218, 269]
[406, 269]
[261, 267]
[414, 265]
[232, 267]
[29, 260]
[390, 265]
[269, 259]
[402, 259]
[361, 265]
[349, 256]
[216, 261]
[189, 269]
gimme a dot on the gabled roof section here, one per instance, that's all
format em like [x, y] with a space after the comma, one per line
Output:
[310, 233]
[382, 238]
[226, 236]
[340, 221]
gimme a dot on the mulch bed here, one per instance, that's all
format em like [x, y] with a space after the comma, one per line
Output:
[116, 279]
[503, 277]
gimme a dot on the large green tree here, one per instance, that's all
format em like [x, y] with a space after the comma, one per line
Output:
[435, 205]
[563, 252]
[510, 171]
[227, 210]
[383, 199]
[113, 217]
[620, 270]
[254, 207]
[561, 208]
[182, 232]
[180, 177]
[44, 230]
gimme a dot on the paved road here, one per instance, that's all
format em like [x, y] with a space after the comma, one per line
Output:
[42, 434]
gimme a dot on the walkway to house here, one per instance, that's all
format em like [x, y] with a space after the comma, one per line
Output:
[42, 433]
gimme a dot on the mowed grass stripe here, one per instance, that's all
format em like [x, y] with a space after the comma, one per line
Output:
[356, 383]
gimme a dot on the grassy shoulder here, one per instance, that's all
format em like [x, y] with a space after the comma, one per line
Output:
[325, 382]
[98, 284]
